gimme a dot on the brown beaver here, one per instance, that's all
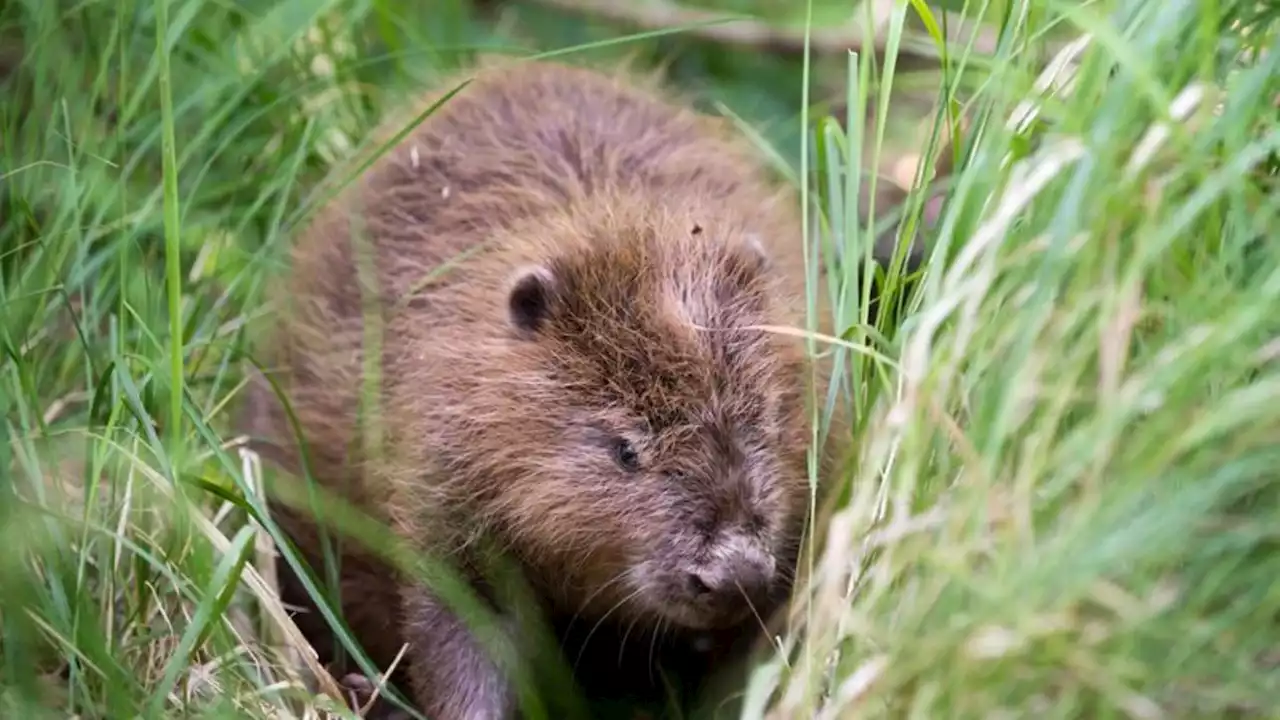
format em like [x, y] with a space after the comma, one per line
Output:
[588, 386]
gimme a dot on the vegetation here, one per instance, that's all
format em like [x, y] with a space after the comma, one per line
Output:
[1065, 499]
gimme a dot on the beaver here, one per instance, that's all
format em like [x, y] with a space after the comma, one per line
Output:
[591, 381]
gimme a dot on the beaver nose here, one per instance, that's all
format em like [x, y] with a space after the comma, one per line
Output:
[736, 576]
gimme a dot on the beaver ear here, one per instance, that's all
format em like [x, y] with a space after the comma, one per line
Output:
[529, 299]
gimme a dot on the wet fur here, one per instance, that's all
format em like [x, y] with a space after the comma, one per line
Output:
[657, 238]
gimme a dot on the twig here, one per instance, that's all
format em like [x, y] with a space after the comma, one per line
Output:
[710, 25]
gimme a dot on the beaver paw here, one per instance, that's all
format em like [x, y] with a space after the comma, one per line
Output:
[360, 698]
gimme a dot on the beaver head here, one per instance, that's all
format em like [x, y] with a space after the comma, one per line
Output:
[607, 402]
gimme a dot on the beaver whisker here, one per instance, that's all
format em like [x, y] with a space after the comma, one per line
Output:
[601, 621]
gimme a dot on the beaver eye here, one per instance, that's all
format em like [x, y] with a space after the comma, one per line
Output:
[625, 455]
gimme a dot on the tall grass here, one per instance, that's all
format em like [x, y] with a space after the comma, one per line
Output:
[1063, 500]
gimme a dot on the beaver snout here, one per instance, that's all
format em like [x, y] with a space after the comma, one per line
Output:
[736, 577]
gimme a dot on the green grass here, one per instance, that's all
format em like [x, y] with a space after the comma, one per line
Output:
[1065, 500]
